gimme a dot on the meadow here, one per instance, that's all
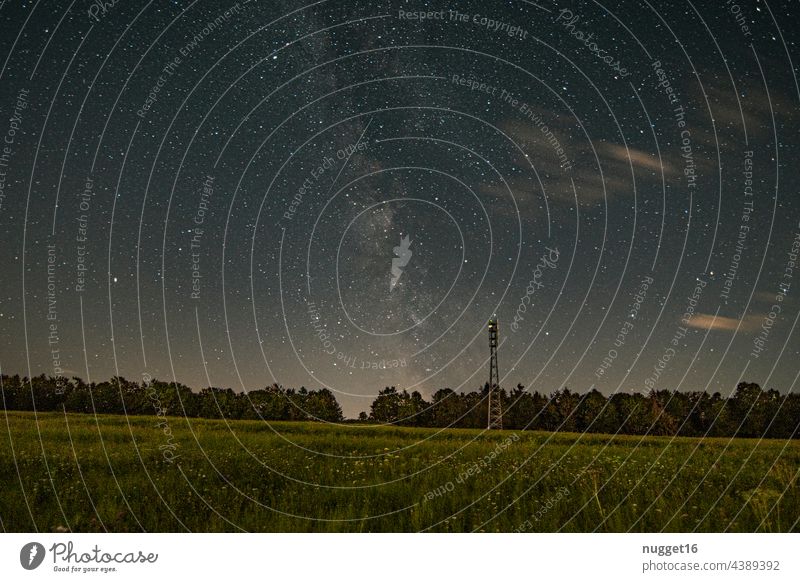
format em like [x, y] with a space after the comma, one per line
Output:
[80, 472]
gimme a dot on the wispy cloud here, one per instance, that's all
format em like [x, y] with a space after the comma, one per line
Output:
[719, 323]
[638, 158]
[600, 169]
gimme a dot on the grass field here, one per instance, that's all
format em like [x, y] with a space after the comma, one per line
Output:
[116, 473]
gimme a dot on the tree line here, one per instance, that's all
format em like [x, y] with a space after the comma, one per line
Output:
[749, 412]
[121, 396]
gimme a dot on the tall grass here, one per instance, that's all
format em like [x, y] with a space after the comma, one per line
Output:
[84, 473]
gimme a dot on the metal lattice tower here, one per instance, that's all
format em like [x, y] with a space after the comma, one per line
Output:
[495, 406]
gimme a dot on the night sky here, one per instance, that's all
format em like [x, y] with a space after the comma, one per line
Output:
[340, 194]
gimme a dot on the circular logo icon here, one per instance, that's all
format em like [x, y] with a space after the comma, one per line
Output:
[31, 555]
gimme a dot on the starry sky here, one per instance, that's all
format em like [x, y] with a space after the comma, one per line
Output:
[217, 193]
